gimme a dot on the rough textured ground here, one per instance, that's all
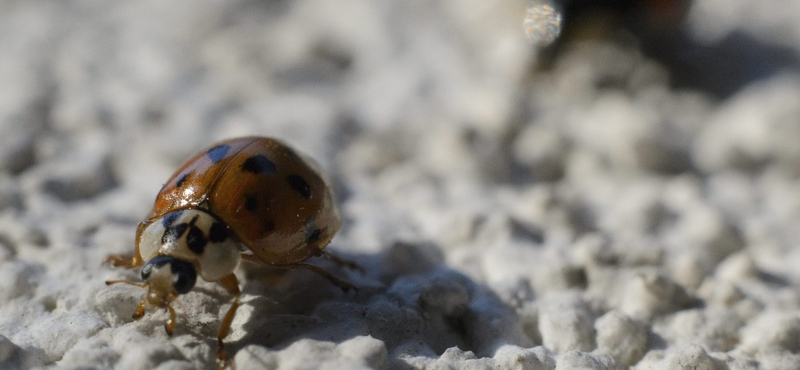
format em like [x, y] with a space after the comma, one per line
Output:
[635, 201]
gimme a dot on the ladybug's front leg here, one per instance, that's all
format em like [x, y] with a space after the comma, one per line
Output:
[232, 286]
[345, 286]
[126, 261]
[340, 261]
[129, 261]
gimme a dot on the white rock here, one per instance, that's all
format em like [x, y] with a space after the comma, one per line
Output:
[356, 353]
[566, 324]
[771, 331]
[723, 293]
[716, 330]
[367, 349]
[583, 360]
[691, 356]
[513, 357]
[647, 295]
[737, 267]
[625, 339]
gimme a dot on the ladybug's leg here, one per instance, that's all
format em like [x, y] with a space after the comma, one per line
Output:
[232, 286]
[127, 261]
[345, 286]
[340, 261]
[169, 326]
[110, 282]
[139, 312]
[130, 261]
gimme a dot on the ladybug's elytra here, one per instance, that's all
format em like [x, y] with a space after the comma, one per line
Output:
[251, 198]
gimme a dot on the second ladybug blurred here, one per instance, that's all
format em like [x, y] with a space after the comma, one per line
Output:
[249, 198]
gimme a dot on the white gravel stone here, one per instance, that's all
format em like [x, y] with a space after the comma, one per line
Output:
[356, 353]
[625, 339]
[513, 357]
[648, 295]
[771, 331]
[690, 356]
[566, 324]
[716, 330]
[582, 360]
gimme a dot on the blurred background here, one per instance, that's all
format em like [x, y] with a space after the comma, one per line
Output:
[100, 101]
[524, 141]
[500, 91]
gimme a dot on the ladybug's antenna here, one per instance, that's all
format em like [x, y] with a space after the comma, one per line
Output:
[139, 312]
[140, 285]
[169, 326]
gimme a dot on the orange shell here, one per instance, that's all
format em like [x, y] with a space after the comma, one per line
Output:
[271, 198]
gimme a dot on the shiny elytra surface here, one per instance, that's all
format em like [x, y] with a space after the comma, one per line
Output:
[271, 198]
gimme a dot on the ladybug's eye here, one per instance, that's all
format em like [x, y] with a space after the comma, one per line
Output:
[184, 276]
[154, 263]
[146, 271]
[183, 273]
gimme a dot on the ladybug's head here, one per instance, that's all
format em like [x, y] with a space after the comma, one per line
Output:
[195, 238]
[166, 277]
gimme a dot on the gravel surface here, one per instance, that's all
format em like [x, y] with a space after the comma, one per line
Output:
[628, 197]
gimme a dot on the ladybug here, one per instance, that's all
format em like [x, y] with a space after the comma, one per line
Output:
[251, 198]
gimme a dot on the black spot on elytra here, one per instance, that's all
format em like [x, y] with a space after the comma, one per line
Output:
[313, 236]
[169, 219]
[268, 226]
[299, 185]
[173, 233]
[258, 164]
[182, 180]
[196, 240]
[250, 202]
[217, 233]
[217, 153]
[312, 232]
